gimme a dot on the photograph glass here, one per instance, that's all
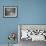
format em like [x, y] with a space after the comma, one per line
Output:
[10, 11]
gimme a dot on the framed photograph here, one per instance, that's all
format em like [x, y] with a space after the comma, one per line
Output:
[32, 32]
[10, 11]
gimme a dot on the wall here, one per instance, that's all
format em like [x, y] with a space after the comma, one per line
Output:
[29, 12]
[32, 11]
[7, 25]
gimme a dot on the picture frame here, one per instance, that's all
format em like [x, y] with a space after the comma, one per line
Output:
[39, 28]
[9, 11]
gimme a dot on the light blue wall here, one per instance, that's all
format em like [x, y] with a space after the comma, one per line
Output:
[29, 12]
[7, 25]
[32, 11]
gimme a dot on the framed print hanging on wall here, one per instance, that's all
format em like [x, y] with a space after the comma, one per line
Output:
[10, 11]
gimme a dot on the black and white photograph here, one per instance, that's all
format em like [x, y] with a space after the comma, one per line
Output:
[29, 34]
